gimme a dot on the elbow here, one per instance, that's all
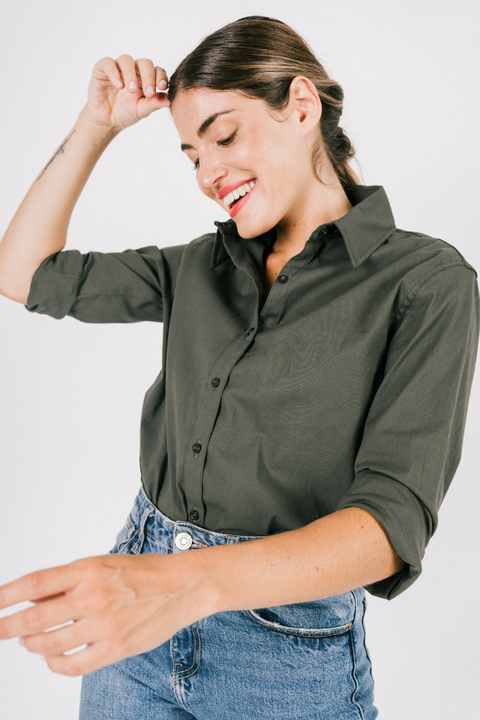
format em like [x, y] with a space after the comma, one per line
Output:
[16, 288]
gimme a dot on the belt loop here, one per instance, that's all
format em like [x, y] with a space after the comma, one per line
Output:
[137, 547]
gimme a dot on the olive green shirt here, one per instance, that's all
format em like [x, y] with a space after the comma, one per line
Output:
[349, 388]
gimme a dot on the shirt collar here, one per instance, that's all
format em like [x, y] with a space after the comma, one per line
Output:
[366, 226]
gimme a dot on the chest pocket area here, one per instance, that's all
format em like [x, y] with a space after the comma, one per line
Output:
[318, 618]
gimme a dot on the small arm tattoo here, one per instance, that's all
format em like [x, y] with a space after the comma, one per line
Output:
[57, 152]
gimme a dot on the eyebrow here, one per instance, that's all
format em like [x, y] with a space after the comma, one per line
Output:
[204, 127]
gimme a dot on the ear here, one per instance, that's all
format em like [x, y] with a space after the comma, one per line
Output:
[304, 99]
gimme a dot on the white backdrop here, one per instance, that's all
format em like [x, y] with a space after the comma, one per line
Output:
[69, 440]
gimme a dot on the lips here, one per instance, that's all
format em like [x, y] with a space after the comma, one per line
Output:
[238, 204]
[230, 188]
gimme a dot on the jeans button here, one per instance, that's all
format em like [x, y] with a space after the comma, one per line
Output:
[183, 541]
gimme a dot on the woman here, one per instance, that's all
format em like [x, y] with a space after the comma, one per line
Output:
[308, 417]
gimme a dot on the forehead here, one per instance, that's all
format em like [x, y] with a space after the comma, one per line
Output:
[193, 107]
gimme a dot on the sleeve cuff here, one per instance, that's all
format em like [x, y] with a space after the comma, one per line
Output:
[54, 285]
[407, 523]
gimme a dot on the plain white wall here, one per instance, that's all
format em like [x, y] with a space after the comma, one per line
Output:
[71, 393]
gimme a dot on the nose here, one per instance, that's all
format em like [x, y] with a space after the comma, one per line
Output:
[210, 172]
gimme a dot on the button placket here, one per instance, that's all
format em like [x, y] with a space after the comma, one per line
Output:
[205, 423]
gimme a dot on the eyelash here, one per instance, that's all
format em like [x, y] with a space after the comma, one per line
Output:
[227, 141]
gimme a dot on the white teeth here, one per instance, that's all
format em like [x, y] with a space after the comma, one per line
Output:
[239, 192]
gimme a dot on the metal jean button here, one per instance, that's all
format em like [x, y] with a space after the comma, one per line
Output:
[183, 541]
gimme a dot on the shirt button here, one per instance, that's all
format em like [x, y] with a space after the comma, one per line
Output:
[324, 231]
[282, 278]
[197, 447]
[216, 382]
[194, 515]
[183, 541]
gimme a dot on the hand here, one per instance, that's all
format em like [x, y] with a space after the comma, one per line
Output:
[114, 107]
[121, 605]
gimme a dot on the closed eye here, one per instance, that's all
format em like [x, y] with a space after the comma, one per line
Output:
[227, 141]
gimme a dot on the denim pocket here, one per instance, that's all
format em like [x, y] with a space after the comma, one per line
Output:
[318, 618]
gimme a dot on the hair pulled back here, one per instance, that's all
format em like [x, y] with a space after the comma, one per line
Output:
[259, 57]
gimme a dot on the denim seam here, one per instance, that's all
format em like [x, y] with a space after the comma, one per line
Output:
[147, 534]
[140, 538]
[314, 633]
[179, 692]
[354, 675]
[179, 673]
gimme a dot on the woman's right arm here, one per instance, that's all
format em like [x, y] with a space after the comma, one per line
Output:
[39, 227]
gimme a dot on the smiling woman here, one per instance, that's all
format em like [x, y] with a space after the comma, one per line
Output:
[308, 418]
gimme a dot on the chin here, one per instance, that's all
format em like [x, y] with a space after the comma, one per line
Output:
[248, 230]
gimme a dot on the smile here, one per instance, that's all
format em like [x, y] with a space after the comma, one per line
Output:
[235, 200]
[238, 193]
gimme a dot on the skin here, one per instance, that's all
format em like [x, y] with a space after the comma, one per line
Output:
[275, 148]
[123, 605]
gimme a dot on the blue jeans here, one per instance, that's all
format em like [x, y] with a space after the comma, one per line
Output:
[306, 660]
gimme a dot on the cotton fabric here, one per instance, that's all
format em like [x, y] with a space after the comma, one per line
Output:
[349, 388]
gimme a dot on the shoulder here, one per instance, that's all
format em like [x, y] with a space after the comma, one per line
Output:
[429, 268]
[422, 254]
[415, 259]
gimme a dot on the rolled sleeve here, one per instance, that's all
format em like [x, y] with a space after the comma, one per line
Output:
[412, 440]
[97, 287]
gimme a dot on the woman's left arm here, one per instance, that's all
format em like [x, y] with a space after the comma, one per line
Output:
[123, 605]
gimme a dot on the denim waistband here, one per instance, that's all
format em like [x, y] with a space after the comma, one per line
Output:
[148, 530]
[174, 535]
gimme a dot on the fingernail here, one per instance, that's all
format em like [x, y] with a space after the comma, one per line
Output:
[21, 641]
[43, 658]
[119, 83]
[150, 90]
[163, 82]
[132, 85]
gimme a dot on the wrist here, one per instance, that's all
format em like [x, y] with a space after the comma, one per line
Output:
[99, 133]
[203, 592]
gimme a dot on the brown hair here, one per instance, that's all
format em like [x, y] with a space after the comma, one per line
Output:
[259, 57]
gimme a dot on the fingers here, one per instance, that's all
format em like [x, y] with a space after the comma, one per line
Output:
[38, 618]
[112, 71]
[56, 642]
[141, 75]
[82, 662]
[35, 586]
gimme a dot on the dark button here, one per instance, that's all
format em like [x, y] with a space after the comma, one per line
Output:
[282, 278]
[194, 515]
[197, 447]
[216, 382]
[324, 231]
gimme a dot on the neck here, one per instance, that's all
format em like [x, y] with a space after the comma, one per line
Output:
[321, 203]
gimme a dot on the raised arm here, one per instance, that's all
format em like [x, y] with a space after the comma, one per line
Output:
[39, 227]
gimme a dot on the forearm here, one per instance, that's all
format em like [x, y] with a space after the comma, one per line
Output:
[39, 227]
[335, 554]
